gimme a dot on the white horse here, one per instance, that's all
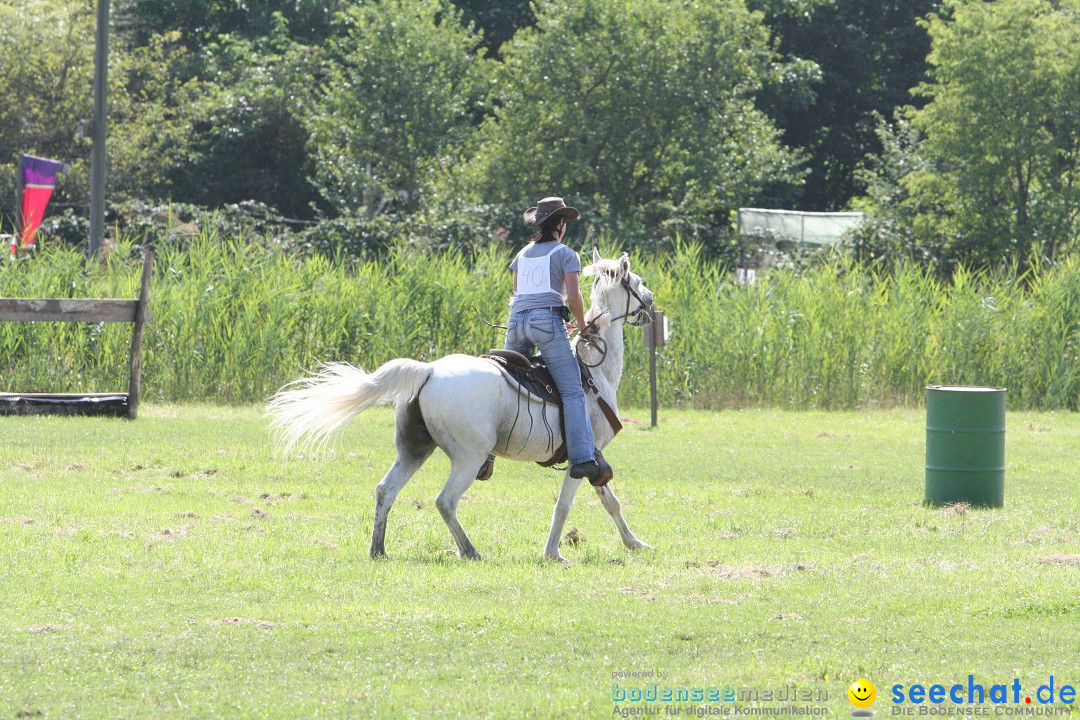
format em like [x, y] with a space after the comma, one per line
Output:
[465, 406]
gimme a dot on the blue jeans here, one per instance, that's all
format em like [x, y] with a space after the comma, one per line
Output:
[543, 328]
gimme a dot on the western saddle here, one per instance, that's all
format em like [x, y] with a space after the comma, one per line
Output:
[532, 375]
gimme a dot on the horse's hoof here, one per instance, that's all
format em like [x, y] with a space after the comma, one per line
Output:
[638, 545]
[485, 471]
[557, 557]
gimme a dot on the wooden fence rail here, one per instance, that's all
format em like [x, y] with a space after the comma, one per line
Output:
[84, 310]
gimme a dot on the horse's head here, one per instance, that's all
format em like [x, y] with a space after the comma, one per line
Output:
[619, 291]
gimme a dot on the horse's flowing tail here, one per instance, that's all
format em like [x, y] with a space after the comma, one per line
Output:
[309, 411]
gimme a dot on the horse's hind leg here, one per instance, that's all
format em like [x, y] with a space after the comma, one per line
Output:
[462, 473]
[414, 447]
[614, 508]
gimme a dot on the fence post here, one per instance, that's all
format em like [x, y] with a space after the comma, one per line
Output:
[654, 338]
[141, 313]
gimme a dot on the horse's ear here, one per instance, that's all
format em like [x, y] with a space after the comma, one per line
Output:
[596, 255]
[624, 264]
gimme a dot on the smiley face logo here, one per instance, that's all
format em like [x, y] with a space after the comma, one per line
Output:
[862, 693]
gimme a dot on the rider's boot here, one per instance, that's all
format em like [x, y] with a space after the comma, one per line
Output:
[598, 471]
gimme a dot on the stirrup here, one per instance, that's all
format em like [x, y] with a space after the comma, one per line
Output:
[606, 473]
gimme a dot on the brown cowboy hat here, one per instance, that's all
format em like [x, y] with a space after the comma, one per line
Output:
[549, 207]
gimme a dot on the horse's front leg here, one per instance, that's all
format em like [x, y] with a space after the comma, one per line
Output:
[558, 518]
[614, 508]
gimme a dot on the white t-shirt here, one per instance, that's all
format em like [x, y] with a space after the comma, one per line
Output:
[540, 268]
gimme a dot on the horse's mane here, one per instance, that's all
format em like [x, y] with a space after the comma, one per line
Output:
[606, 272]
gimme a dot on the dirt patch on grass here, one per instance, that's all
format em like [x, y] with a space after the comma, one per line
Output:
[278, 497]
[18, 520]
[43, 629]
[631, 590]
[1059, 559]
[245, 621]
[956, 509]
[746, 572]
[139, 489]
[167, 535]
[704, 600]
[954, 565]
[574, 537]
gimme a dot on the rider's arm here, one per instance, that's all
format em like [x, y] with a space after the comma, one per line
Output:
[574, 301]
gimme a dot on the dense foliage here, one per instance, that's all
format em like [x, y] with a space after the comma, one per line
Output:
[342, 125]
[232, 321]
[657, 131]
[868, 55]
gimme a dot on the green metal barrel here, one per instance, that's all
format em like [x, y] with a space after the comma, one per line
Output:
[965, 445]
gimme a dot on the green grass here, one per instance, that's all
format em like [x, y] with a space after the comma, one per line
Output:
[176, 567]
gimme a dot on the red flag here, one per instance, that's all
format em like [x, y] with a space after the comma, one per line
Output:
[38, 180]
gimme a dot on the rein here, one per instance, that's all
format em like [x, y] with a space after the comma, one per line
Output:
[481, 317]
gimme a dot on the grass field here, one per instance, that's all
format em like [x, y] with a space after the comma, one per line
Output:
[177, 567]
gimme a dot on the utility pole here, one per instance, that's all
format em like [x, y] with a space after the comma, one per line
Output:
[97, 154]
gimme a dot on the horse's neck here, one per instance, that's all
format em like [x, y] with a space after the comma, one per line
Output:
[611, 339]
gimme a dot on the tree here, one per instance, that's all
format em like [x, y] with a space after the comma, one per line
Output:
[1002, 137]
[498, 21]
[46, 77]
[197, 21]
[223, 123]
[870, 56]
[404, 94]
[641, 111]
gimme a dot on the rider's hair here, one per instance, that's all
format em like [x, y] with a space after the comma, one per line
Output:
[547, 229]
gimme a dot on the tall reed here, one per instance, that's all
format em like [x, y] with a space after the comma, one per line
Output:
[232, 322]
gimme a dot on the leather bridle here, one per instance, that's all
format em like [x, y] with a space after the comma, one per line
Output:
[640, 316]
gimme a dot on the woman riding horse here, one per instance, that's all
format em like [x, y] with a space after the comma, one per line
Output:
[544, 272]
